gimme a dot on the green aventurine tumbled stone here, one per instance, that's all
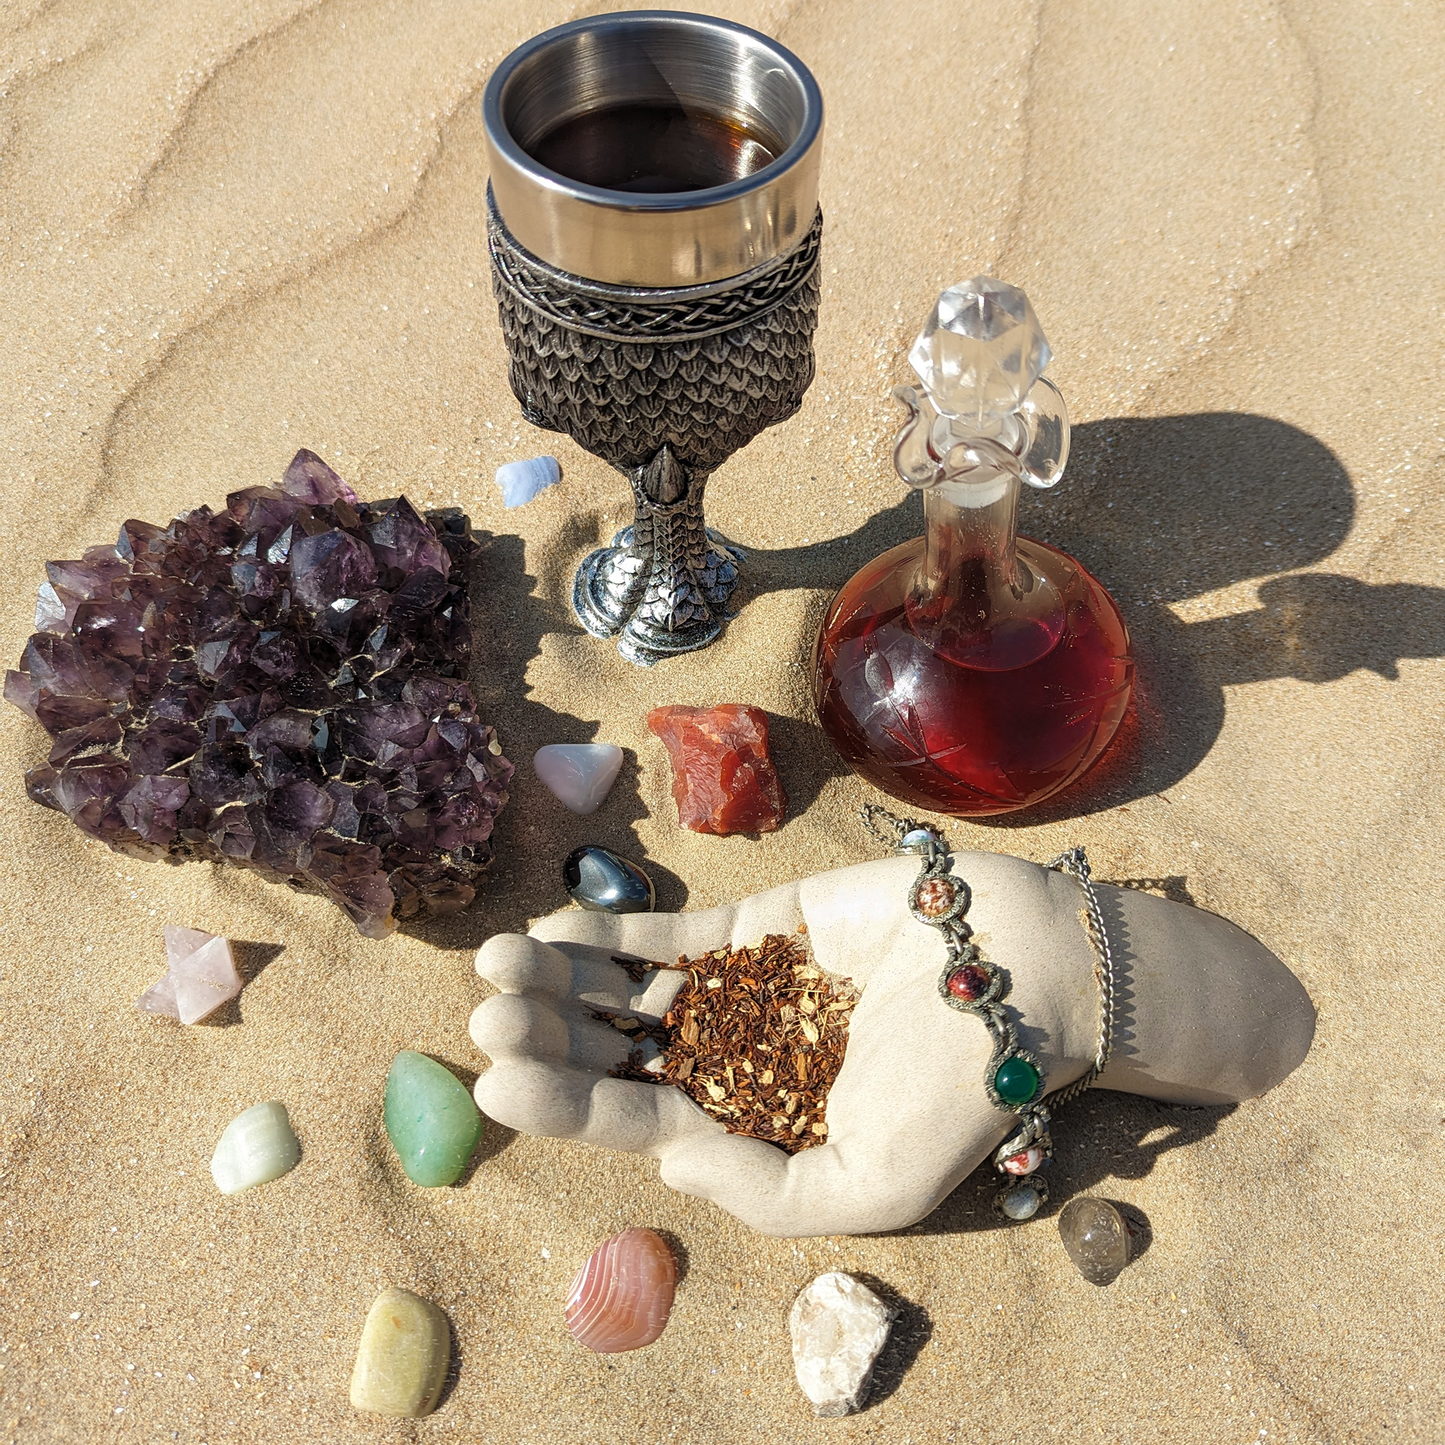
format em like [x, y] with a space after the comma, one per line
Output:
[401, 1361]
[430, 1119]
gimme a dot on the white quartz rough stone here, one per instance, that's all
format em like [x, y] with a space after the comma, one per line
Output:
[521, 481]
[580, 774]
[202, 976]
[839, 1328]
[256, 1147]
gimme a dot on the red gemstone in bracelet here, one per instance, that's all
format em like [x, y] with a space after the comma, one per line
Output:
[969, 982]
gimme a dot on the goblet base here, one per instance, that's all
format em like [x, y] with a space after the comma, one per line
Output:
[656, 610]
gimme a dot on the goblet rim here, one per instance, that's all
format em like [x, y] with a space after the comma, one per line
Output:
[665, 239]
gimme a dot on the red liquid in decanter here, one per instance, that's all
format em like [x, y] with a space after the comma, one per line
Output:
[963, 705]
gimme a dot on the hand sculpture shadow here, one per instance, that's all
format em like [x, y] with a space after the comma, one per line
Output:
[1220, 1020]
[1161, 510]
[1099, 1138]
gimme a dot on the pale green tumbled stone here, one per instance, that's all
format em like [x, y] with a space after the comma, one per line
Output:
[401, 1361]
[255, 1148]
[430, 1119]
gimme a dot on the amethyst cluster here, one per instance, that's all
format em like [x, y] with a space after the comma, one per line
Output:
[282, 686]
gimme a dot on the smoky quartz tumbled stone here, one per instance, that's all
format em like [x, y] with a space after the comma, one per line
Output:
[1096, 1238]
[603, 882]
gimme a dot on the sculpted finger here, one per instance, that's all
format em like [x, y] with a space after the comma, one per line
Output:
[515, 963]
[601, 979]
[600, 976]
[665, 936]
[657, 936]
[565, 1103]
[510, 1025]
[659, 988]
[535, 1097]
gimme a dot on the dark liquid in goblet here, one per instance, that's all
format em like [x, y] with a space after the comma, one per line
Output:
[654, 148]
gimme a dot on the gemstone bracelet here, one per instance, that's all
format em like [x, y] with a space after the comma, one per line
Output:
[1014, 1079]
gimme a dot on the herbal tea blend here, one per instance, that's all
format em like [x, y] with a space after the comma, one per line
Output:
[756, 1037]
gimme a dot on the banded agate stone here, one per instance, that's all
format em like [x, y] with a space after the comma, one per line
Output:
[281, 686]
[622, 1297]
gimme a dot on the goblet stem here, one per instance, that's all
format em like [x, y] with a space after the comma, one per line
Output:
[663, 586]
[681, 377]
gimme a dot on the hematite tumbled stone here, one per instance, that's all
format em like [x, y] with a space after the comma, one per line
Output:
[605, 882]
[282, 686]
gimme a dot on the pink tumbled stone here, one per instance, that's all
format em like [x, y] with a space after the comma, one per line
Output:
[202, 976]
[622, 1296]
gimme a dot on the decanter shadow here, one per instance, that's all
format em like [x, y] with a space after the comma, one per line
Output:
[1200, 503]
[1164, 510]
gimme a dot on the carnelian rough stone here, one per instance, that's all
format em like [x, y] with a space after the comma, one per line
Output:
[723, 780]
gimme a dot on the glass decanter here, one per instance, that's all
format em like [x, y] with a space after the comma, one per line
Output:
[973, 671]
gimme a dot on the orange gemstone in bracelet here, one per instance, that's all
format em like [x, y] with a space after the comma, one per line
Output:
[935, 897]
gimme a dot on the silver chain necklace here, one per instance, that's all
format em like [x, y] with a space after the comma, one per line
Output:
[1014, 1077]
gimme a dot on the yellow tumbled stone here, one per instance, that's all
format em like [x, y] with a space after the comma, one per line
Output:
[401, 1361]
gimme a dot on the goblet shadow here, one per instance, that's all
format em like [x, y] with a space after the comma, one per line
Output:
[534, 833]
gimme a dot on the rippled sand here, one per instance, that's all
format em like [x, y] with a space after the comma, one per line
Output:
[231, 229]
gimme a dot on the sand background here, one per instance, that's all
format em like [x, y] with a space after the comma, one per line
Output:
[231, 229]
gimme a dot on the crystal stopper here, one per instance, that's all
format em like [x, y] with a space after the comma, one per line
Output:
[980, 350]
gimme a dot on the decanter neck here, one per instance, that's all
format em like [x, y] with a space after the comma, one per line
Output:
[969, 546]
[975, 601]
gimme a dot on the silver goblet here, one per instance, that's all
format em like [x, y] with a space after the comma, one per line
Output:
[653, 226]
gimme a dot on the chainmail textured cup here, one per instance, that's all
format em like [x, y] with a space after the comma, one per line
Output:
[688, 328]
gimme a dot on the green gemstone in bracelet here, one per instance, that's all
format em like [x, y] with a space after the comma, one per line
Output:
[1016, 1081]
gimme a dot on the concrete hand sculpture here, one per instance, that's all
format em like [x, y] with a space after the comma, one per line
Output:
[1208, 1016]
